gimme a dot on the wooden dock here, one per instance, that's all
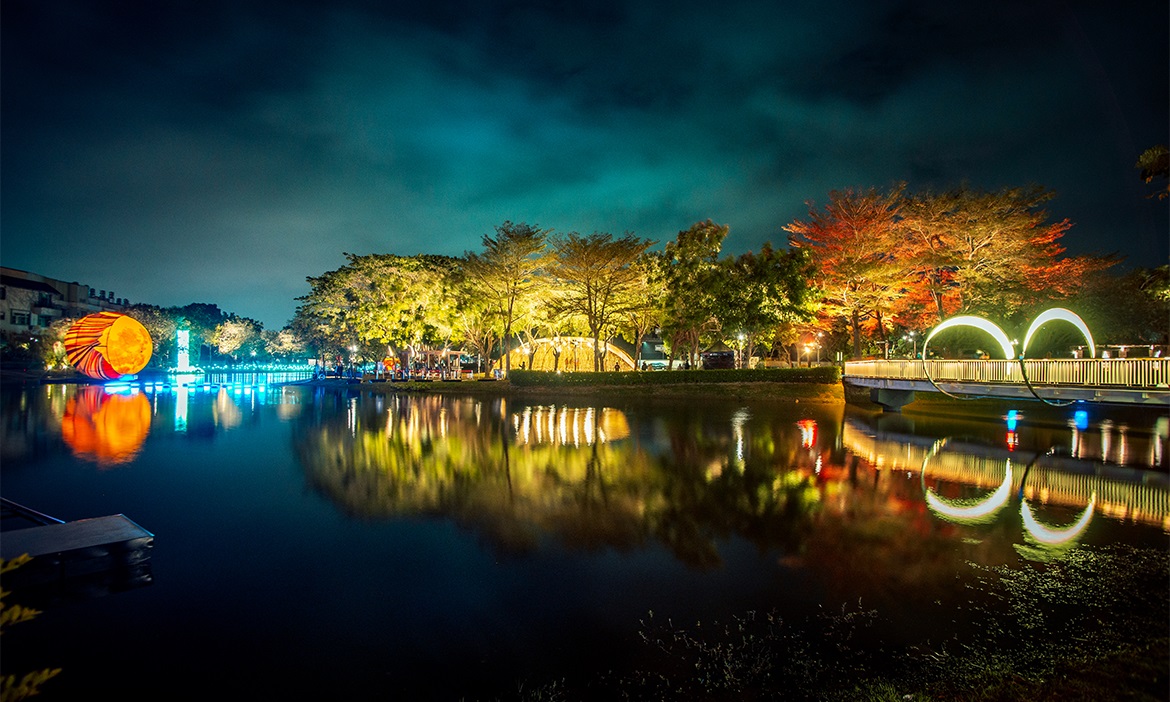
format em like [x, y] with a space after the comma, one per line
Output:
[96, 555]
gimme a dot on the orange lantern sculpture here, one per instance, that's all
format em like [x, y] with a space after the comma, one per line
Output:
[108, 345]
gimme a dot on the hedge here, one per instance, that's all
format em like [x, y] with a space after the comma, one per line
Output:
[824, 375]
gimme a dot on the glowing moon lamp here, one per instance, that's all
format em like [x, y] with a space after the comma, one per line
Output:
[108, 345]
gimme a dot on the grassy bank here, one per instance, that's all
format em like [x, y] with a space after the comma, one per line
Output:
[820, 385]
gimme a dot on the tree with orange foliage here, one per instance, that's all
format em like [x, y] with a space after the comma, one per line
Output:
[989, 252]
[855, 244]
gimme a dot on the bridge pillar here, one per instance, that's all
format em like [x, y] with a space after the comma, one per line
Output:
[891, 400]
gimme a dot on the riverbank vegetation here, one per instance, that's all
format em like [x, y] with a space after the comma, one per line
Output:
[1090, 626]
[866, 274]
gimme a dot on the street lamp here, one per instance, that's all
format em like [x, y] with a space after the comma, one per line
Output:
[741, 363]
[913, 344]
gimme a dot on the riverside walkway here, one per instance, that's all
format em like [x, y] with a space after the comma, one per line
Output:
[892, 384]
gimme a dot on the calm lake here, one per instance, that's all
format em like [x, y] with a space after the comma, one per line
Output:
[338, 544]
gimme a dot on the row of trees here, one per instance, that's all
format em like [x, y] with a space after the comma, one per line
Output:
[865, 270]
[216, 336]
[889, 262]
[528, 283]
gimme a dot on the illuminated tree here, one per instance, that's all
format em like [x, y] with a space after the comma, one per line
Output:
[283, 343]
[474, 323]
[1154, 164]
[760, 292]
[236, 334]
[854, 245]
[392, 301]
[506, 274]
[646, 301]
[692, 276]
[595, 274]
[974, 251]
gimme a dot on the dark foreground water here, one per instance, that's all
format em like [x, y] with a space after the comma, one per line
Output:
[321, 544]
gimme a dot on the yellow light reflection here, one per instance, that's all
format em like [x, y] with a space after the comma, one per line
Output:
[1052, 536]
[981, 511]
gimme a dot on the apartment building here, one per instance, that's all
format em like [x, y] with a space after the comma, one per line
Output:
[30, 302]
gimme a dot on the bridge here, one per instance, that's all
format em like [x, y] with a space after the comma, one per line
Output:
[892, 383]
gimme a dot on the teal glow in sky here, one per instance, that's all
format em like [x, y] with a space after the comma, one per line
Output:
[223, 151]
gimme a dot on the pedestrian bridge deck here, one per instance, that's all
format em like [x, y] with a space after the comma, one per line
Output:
[1120, 380]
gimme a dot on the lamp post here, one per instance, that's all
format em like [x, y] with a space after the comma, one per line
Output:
[741, 364]
[913, 344]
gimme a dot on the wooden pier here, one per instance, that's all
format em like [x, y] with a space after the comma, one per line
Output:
[87, 556]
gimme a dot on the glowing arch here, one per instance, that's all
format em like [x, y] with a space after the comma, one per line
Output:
[1059, 313]
[1006, 345]
[980, 511]
[1056, 313]
[578, 341]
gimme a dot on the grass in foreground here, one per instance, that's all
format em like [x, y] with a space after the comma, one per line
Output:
[1092, 626]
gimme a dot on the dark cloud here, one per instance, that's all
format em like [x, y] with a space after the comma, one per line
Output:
[222, 151]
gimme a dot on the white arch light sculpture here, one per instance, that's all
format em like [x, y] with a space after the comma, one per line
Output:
[1006, 345]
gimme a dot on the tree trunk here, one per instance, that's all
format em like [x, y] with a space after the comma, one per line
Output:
[856, 320]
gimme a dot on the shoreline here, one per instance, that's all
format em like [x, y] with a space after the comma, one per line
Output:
[754, 391]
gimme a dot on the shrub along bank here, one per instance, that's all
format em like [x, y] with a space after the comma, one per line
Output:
[822, 375]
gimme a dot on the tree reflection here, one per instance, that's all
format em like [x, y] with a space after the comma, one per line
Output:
[582, 475]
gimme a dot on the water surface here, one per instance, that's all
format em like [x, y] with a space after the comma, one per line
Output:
[362, 545]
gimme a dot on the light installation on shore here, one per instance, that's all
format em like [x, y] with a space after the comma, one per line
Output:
[183, 345]
[1007, 346]
[108, 345]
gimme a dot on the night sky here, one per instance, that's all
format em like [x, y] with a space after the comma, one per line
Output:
[210, 151]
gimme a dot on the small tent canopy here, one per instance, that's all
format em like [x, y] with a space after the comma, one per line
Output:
[718, 355]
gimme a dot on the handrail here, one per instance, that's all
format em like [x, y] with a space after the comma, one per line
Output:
[1133, 373]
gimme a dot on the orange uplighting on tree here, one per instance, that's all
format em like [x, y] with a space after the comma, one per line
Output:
[108, 345]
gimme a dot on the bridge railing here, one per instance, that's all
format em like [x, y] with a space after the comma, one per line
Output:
[1085, 372]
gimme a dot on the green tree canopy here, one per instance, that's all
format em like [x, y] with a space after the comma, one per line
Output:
[595, 273]
[692, 276]
[763, 291]
[505, 275]
[381, 299]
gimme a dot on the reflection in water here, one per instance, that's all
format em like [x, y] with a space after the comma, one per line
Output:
[1051, 535]
[591, 476]
[580, 475]
[106, 428]
[1049, 479]
[808, 483]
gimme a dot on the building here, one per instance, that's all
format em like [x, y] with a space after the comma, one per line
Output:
[31, 302]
